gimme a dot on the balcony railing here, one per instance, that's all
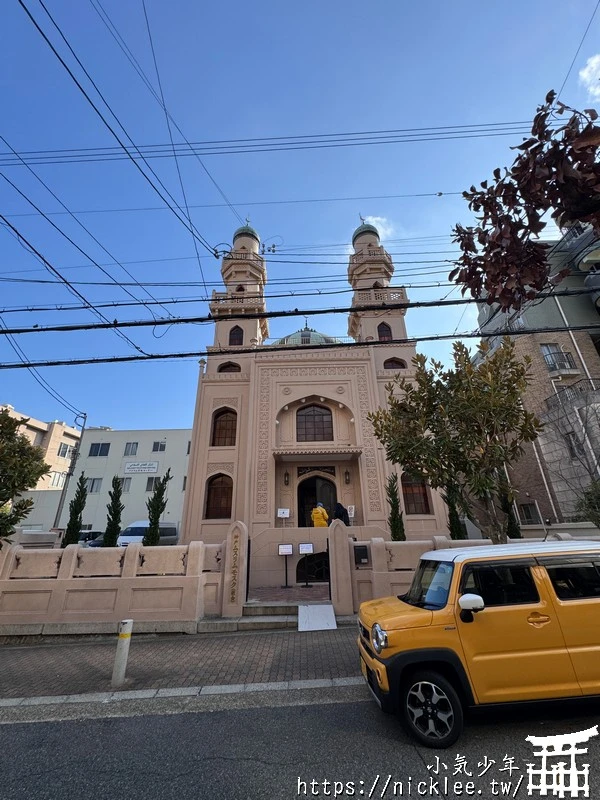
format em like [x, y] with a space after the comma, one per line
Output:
[559, 361]
[571, 394]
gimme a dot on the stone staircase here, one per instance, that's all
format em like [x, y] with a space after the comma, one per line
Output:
[264, 616]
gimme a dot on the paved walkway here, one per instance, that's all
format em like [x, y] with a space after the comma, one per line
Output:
[170, 661]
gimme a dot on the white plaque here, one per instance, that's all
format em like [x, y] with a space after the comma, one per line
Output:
[140, 466]
[286, 549]
[306, 548]
[283, 513]
[351, 511]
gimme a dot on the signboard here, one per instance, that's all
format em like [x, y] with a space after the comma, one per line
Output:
[351, 512]
[306, 548]
[131, 467]
[286, 549]
[283, 513]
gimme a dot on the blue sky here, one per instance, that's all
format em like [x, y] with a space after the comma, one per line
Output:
[241, 70]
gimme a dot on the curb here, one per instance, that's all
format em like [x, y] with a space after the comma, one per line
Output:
[185, 691]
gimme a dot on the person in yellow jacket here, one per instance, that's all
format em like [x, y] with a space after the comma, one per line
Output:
[319, 516]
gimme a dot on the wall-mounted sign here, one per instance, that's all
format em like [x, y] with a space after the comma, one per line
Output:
[306, 548]
[140, 466]
[286, 549]
[351, 512]
[283, 513]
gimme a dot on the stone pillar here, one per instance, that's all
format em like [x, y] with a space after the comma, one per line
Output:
[235, 570]
[340, 568]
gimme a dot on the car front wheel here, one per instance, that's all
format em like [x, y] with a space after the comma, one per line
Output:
[431, 709]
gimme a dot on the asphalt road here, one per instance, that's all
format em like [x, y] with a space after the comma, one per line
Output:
[271, 746]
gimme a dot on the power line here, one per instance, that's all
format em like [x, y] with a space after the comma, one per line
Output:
[262, 203]
[81, 225]
[114, 32]
[230, 351]
[129, 155]
[284, 143]
[36, 376]
[585, 33]
[168, 121]
[396, 306]
[20, 238]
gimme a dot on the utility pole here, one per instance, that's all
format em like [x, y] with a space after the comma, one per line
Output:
[71, 470]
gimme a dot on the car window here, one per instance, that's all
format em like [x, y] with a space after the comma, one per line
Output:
[574, 581]
[430, 585]
[501, 584]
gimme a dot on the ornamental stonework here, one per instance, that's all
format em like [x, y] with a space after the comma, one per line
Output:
[221, 466]
[232, 402]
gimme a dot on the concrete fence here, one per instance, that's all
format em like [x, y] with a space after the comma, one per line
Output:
[85, 590]
[89, 590]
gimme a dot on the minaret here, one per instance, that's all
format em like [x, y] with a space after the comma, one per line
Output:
[244, 275]
[369, 273]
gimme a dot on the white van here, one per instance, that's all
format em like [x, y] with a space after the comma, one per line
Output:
[137, 530]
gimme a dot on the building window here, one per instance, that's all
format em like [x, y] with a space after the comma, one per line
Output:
[152, 483]
[57, 479]
[159, 447]
[384, 332]
[93, 485]
[125, 485]
[304, 337]
[236, 336]
[416, 499]
[229, 366]
[529, 514]
[99, 449]
[219, 493]
[556, 358]
[314, 424]
[65, 450]
[224, 429]
[86, 527]
[131, 449]
[394, 363]
[184, 483]
[189, 447]
[574, 446]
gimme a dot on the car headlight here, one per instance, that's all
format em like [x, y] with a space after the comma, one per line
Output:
[379, 638]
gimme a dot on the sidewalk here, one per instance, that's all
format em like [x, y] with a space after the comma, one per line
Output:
[54, 668]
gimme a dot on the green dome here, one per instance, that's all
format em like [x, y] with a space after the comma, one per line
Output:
[307, 336]
[246, 230]
[364, 228]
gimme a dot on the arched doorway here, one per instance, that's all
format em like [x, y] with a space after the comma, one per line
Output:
[312, 491]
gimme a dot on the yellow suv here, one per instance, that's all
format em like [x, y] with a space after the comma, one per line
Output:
[483, 625]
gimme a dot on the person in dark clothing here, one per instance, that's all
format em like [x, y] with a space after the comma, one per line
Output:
[341, 513]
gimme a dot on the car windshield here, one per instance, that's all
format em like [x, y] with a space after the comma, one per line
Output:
[134, 532]
[430, 585]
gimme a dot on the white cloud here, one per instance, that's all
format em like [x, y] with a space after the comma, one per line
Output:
[383, 225]
[589, 76]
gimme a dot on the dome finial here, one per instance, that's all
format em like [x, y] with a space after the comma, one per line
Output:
[362, 219]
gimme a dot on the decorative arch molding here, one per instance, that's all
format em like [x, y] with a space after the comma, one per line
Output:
[265, 417]
[221, 466]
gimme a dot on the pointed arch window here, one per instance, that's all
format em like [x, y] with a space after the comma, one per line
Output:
[394, 363]
[224, 429]
[314, 424]
[236, 336]
[384, 332]
[416, 497]
[219, 494]
[229, 366]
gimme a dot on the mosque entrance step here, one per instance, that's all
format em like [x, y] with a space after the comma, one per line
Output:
[270, 609]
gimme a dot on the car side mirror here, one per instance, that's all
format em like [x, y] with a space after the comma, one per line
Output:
[470, 604]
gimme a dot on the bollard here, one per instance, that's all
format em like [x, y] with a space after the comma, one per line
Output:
[118, 676]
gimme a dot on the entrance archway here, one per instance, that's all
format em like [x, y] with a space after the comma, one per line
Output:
[311, 491]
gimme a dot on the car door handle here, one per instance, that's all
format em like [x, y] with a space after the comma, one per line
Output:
[538, 620]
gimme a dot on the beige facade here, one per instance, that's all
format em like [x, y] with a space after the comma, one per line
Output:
[285, 425]
[57, 441]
